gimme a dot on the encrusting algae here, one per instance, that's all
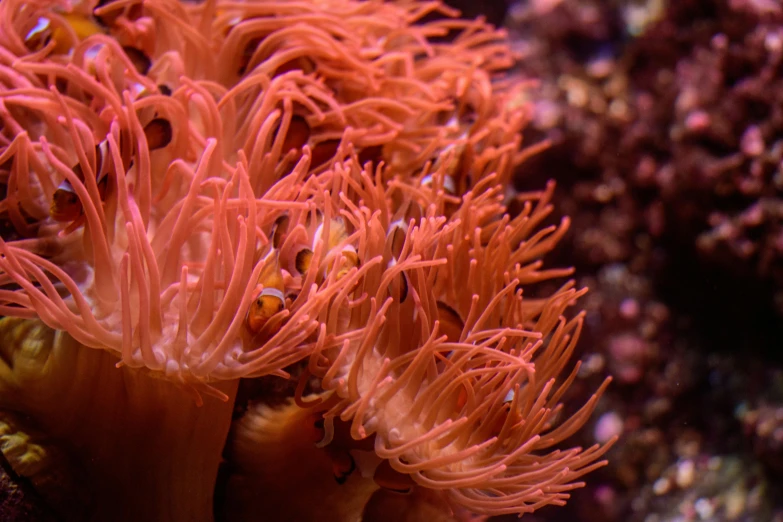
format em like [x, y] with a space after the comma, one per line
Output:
[196, 194]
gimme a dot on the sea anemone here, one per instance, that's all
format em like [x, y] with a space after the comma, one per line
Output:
[459, 383]
[204, 193]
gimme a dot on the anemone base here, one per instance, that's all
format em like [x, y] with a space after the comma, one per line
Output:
[142, 447]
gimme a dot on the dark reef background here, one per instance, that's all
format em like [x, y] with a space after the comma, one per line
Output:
[666, 123]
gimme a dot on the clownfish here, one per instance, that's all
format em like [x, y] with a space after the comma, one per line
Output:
[333, 436]
[343, 464]
[351, 261]
[277, 439]
[395, 240]
[298, 134]
[158, 133]
[500, 421]
[408, 214]
[324, 151]
[141, 62]
[454, 161]
[449, 186]
[337, 235]
[451, 325]
[302, 63]
[304, 259]
[339, 448]
[247, 54]
[67, 207]
[279, 230]
[42, 32]
[296, 137]
[271, 300]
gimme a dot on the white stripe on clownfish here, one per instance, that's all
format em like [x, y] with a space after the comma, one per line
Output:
[337, 235]
[271, 300]
[273, 292]
[395, 242]
[41, 26]
[448, 183]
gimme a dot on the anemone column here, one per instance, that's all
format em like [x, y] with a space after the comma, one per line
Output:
[141, 448]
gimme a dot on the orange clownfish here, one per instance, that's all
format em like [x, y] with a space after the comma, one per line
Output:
[247, 55]
[337, 235]
[333, 436]
[296, 137]
[449, 186]
[324, 151]
[451, 325]
[298, 134]
[507, 416]
[408, 214]
[280, 230]
[342, 465]
[302, 63]
[43, 32]
[66, 206]
[351, 261]
[395, 240]
[141, 62]
[304, 259]
[271, 300]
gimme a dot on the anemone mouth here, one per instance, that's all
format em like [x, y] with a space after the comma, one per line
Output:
[222, 190]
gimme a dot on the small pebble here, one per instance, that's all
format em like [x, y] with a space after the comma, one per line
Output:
[685, 473]
[608, 426]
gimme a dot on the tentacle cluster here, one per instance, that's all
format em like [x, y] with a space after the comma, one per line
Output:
[220, 190]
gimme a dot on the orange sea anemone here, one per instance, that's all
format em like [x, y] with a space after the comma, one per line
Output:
[195, 194]
[469, 408]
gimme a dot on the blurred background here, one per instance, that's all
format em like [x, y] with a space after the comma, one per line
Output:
[666, 125]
